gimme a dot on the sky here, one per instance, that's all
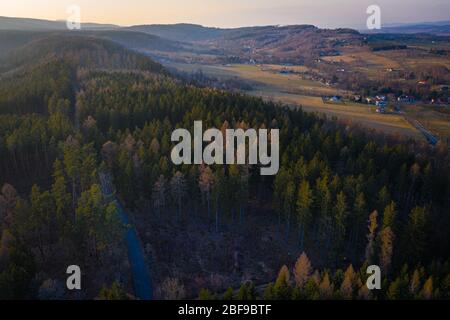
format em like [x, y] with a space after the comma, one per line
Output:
[232, 13]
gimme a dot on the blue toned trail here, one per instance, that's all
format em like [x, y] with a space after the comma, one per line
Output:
[143, 289]
[141, 274]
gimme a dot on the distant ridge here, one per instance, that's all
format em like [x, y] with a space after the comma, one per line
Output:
[28, 24]
[436, 28]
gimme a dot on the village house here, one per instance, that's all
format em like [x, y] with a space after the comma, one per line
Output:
[406, 99]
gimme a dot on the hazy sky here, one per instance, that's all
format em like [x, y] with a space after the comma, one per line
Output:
[232, 13]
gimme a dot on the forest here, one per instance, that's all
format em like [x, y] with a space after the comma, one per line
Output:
[73, 108]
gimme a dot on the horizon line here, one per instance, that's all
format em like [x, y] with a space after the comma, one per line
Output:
[388, 24]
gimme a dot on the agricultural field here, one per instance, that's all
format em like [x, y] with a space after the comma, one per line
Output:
[295, 91]
[351, 113]
[267, 77]
[435, 119]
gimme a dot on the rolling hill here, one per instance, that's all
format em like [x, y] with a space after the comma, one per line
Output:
[441, 28]
[12, 23]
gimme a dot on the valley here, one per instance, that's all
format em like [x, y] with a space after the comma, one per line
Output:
[360, 181]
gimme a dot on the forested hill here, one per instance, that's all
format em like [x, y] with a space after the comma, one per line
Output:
[73, 107]
[44, 227]
[80, 51]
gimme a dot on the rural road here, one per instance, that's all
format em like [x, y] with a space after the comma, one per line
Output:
[427, 134]
[140, 270]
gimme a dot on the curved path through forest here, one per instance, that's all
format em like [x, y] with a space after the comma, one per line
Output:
[141, 274]
[140, 270]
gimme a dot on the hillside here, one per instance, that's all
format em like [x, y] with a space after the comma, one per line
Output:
[181, 32]
[27, 24]
[79, 50]
[294, 44]
[48, 66]
[437, 28]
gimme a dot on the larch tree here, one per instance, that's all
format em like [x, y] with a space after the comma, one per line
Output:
[206, 183]
[414, 284]
[372, 228]
[302, 270]
[326, 288]
[386, 249]
[389, 216]
[427, 291]
[346, 290]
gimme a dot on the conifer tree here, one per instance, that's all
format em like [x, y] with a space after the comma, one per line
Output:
[178, 190]
[159, 195]
[372, 227]
[281, 288]
[427, 289]
[326, 287]
[304, 205]
[386, 249]
[206, 183]
[302, 270]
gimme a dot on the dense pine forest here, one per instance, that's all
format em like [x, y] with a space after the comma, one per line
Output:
[74, 108]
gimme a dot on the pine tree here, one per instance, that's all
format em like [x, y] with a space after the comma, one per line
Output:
[416, 234]
[178, 190]
[220, 195]
[159, 195]
[311, 290]
[304, 205]
[228, 295]
[246, 292]
[289, 205]
[205, 294]
[60, 194]
[383, 198]
[359, 217]
[282, 289]
[340, 217]
[394, 290]
[280, 182]
[115, 292]
[269, 292]
[72, 163]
